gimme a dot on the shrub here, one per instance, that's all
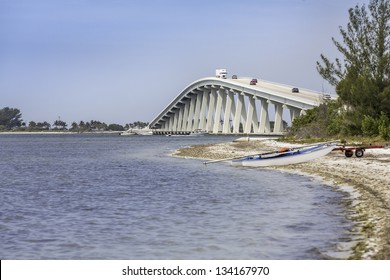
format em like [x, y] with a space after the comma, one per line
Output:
[369, 126]
[384, 126]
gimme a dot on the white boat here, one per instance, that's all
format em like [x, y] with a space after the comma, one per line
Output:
[286, 156]
[144, 132]
[127, 133]
[132, 131]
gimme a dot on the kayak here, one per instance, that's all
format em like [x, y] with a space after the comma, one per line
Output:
[286, 156]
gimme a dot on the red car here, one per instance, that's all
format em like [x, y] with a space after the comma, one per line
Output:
[253, 82]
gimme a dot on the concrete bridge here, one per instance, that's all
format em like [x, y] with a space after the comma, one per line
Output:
[234, 106]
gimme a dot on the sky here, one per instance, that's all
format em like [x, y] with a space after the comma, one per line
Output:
[121, 61]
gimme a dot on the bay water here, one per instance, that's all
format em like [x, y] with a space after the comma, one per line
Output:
[92, 196]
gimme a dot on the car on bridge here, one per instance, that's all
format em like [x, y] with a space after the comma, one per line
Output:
[295, 90]
[253, 82]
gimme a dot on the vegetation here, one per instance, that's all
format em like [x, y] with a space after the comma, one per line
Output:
[11, 120]
[361, 79]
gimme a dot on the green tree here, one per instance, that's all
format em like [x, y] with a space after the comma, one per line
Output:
[82, 126]
[10, 118]
[384, 126]
[115, 127]
[362, 78]
[60, 124]
[44, 125]
[32, 125]
[74, 127]
[97, 125]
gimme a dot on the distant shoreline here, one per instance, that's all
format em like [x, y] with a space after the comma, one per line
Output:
[56, 132]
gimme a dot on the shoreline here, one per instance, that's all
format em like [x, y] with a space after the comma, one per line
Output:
[51, 132]
[366, 179]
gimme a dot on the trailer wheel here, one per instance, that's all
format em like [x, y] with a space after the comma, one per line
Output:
[359, 152]
[348, 153]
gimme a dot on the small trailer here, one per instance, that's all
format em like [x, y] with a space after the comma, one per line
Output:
[357, 150]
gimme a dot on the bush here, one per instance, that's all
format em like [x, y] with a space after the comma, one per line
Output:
[384, 126]
[369, 126]
[322, 121]
[374, 127]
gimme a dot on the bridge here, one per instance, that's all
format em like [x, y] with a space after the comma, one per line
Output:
[234, 106]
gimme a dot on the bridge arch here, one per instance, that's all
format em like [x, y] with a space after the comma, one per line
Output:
[233, 106]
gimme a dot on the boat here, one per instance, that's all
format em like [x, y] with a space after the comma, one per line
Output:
[144, 132]
[128, 133]
[286, 156]
[137, 131]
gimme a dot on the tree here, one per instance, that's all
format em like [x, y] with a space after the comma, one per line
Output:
[115, 127]
[32, 125]
[60, 124]
[97, 125]
[10, 118]
[362, 78]
[43, 125]
[74, 126]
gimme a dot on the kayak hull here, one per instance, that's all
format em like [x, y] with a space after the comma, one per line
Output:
[286, 158]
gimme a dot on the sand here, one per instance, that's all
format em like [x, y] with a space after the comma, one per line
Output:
[367, 177]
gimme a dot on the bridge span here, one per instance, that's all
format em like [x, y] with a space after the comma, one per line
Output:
[233, 106]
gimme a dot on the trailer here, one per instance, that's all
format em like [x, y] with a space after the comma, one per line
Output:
[357, 150]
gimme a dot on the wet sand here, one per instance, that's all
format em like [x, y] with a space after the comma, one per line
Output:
[369, 177]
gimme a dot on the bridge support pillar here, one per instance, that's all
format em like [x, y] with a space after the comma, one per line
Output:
[205, 104]
[191, 113]
[228, 111]
[264, 117]
[170, 122]
[163, 126]
[198, 102]
[218, 110]
[180, 117]
[185, 115]
[251, 119]
[175, 119]
[294, 112]
[240, 113]
[278, 124]
[210, 113]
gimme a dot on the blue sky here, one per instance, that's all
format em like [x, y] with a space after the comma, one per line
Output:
[120, 61]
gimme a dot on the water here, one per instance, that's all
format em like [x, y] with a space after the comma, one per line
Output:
[112, 197]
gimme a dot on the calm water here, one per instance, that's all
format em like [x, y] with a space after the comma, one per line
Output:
[112, 197]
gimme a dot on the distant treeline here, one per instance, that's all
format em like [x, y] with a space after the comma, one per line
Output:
[11, 119]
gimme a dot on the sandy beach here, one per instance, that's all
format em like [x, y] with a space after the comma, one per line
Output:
[367, 178]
